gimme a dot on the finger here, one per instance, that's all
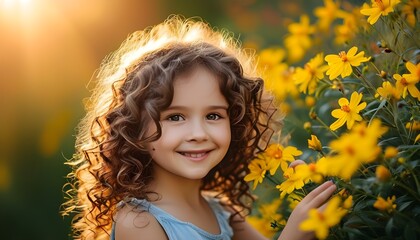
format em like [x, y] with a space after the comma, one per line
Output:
[317, 191]
[322, 197]
[295, 163]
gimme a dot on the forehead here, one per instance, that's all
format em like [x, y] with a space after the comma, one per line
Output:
[197, 85]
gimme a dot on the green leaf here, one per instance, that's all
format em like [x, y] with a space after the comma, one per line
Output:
[410, 233]
[389, 226]
[403, 206]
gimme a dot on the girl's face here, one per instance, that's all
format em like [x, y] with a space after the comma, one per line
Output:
[195, 127]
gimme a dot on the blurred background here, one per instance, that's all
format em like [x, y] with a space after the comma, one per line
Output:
[49, 51]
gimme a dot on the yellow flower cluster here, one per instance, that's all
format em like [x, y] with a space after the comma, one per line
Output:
[346, 159]
[370, 85]
[269, 214]
[321, 221]
[274, 157]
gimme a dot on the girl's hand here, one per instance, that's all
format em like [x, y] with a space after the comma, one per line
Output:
[315, 199]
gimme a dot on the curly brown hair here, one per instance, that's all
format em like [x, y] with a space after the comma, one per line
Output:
[134, 85]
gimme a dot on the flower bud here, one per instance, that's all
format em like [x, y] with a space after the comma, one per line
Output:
[383, 74]
[313, 115]
[390, 152]
[310, 101]
[382, 173]
[307, 126]
[314, 143]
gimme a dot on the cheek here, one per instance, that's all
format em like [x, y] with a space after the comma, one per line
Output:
[223, 135]
[169, 138]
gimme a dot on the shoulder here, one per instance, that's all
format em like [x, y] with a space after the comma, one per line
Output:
[132, 222]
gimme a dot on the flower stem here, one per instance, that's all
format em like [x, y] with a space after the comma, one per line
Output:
[414, 194]
[326, 126]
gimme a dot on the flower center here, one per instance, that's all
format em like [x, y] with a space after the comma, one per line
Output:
[278, 153]
[362, 132]
[380, 4]
[404, 81]
[309, 69]
[312, 167]
[350, 150]
[321, 216]
[345, 108]
[343, 56]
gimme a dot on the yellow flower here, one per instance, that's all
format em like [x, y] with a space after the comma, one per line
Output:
[387, 91]
[414, 70]
[417, 138]
[277, 155]
[308, 172]
[325, 168]
[349, 156]
[372, 132]
[348, 112]
[350, 27]
[298, 41]
[327, 14]
[277, 75]
[406, 85]
[342, 63]
[344, 32]
[262, 226]
[279, 79]
[314, 143]
[385, 205]
[307, 78]
[378, 8]
[285, 108]
[401, 160]
[257, 168]
[382, 173]
[415, 125]
[348, 203]
[307, 126]
[310, 101]
[390, 152]
[293, 181]
[321, 222]
[269, 213]
[270, 57]
[409, 10]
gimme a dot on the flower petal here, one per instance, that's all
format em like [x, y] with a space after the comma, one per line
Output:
[352, 51]
[337, 124]
[343, 101]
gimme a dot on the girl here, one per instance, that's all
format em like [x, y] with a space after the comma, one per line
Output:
[177, 114]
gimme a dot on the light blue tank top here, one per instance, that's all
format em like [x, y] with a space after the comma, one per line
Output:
[179, 230]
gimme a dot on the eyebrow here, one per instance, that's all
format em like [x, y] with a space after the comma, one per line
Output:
[211, 107]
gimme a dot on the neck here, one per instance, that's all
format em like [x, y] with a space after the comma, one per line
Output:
[175, 189]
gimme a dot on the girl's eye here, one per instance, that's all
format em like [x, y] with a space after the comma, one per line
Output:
[175, 118]
[213, 116]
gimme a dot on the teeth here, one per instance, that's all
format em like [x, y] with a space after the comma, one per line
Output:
[194, 155]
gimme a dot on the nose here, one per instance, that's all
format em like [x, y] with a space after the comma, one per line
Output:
[197, 131]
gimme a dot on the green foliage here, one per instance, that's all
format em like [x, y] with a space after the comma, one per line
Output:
[392, 45]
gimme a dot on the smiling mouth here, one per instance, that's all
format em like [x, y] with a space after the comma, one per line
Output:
[196, 155]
